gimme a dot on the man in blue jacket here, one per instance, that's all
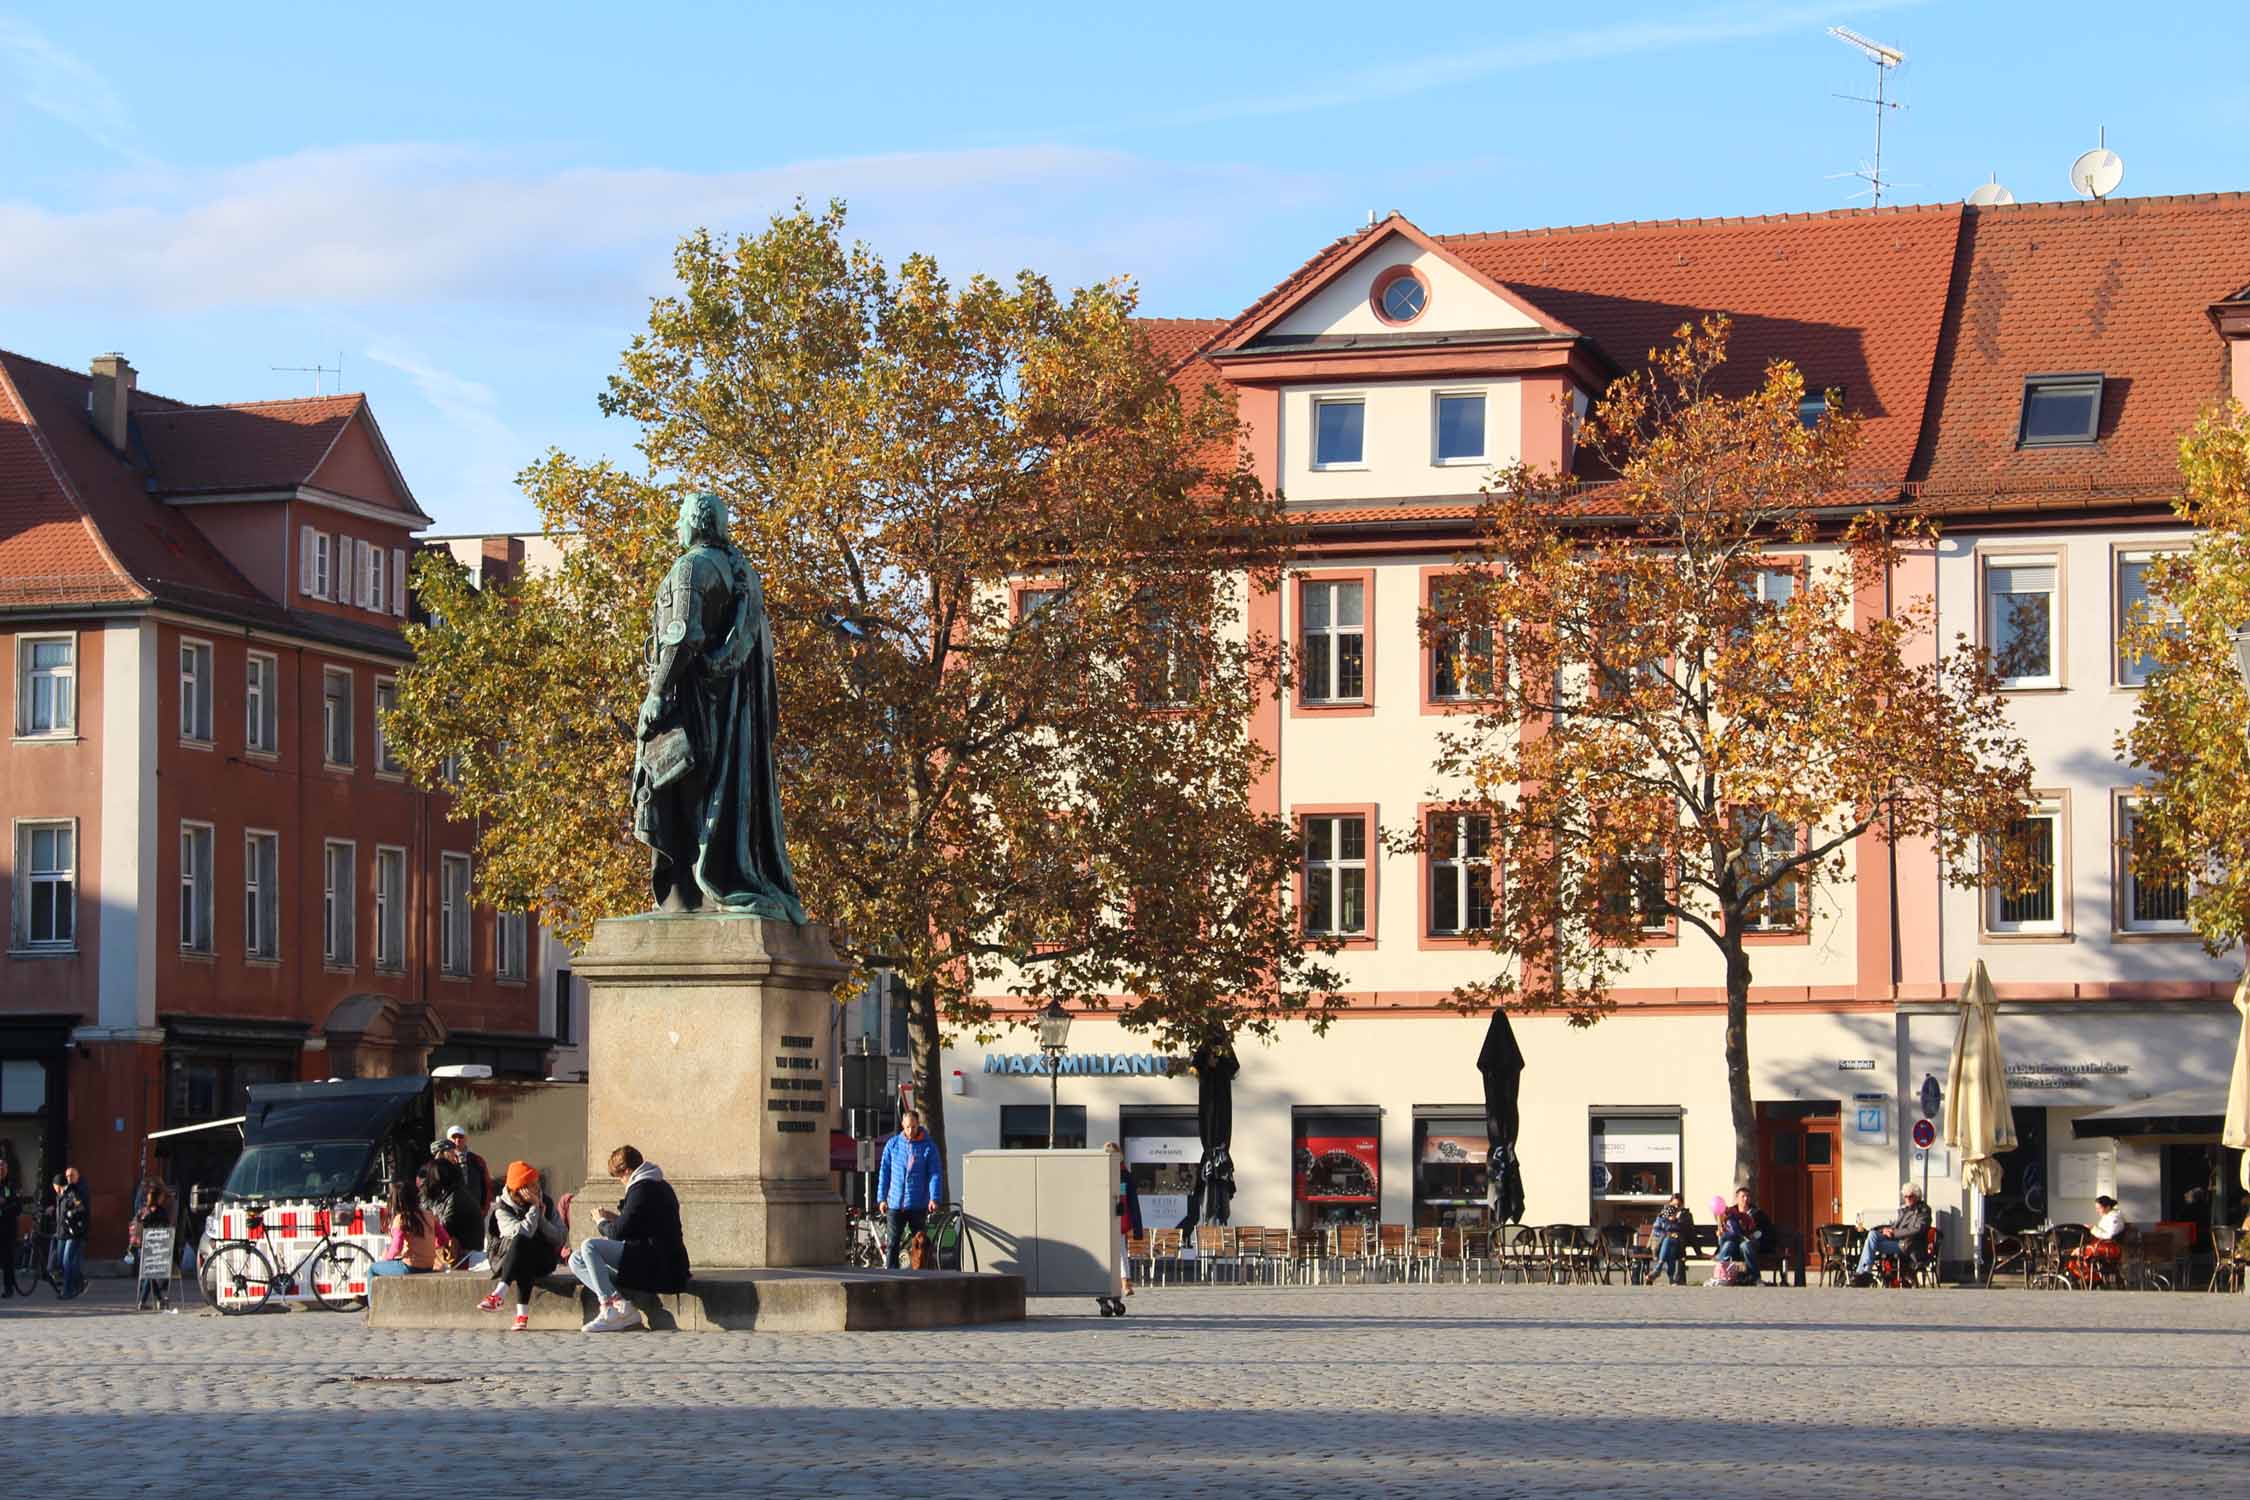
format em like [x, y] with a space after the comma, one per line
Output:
[912, 1182]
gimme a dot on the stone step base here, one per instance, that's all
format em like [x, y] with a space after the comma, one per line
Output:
[797, 1300]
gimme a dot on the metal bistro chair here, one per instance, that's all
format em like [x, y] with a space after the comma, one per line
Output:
[1164, 1255]
[1565, 1252]
[1424, 1253]
[1137, 1266]
[1249, 1252]
[1838, 1254]
[1211, 1250]
[2226, 1259]
[1624, 1249]
[2152, 1257]
[1391, 1251]
[2006, 1253]
[1523, 1253]
[2061, 1242]
[1348, 1247]
[1473, 1247]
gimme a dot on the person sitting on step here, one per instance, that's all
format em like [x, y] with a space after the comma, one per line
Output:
[641, 1246]
[527, 1243]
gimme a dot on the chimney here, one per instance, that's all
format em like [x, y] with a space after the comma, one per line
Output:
[109, 400]
[501, 561]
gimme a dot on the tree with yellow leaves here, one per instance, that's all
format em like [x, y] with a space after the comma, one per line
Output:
[1688, 719]
[2192, 829]
[1006, 562]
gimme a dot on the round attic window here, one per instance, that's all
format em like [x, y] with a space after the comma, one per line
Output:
[1400, 294]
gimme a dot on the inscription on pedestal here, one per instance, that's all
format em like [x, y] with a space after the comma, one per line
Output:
[790, 1078]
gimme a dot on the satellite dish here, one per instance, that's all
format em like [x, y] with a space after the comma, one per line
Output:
[1991, 195]
[2097, 173]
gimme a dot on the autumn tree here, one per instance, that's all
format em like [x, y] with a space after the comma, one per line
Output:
[2192, 827]
[1006, 561]
[1692, 724]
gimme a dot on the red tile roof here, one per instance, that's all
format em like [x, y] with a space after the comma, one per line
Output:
[2119, 287]
[81, 524]
[206, 449]
[1175, 339]
[1854, 299]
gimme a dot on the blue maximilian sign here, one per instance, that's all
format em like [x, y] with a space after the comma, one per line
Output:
[1141, 1064]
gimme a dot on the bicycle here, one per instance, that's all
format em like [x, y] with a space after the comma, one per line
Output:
[36, 1262]
[863, 1239]
[337, 1270]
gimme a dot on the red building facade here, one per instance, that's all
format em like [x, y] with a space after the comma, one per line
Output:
[216, 875]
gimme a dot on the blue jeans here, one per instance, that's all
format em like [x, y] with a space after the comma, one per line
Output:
[595, 1263]
[394, 1268]
[70, 1264]
[903, 1223]
[1740, 1247]
[1668, 1259]
[1878, 1243]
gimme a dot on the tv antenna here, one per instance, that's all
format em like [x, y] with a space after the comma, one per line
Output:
[1885, 59]
[2097, 173]
[316, 372]
[1991, 194]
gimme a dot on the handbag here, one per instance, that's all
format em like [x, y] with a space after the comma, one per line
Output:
[668, 757]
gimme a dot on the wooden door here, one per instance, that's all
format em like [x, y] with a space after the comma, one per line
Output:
[1800, 1170]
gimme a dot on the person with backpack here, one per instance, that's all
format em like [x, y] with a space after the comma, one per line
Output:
[911, 1184]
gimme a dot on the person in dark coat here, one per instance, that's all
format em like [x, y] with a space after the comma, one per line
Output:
[11, 1212]
[641, 1246]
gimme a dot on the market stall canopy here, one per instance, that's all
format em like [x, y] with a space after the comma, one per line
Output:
[2182, 1112]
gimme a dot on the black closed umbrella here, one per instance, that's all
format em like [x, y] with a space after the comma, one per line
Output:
[1212, 1196]
[1501, 1063]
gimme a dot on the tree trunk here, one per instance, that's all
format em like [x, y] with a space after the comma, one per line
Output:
[929, 1096]
[1738, 1057]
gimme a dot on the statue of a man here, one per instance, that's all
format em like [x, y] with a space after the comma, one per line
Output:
[704, 794]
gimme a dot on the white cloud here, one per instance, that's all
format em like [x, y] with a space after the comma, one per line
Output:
[67, 88]
[1553, 49]
[420, 225]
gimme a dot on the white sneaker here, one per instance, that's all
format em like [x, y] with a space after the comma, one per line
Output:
[614, 1318]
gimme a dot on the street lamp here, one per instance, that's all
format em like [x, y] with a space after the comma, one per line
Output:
[1054, 1040]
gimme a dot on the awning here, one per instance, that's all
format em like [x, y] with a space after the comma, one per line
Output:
[234, 1121]
[2183, 1112]
[345, 1109]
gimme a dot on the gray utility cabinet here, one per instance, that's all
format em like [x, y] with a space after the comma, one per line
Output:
[1049, 1217]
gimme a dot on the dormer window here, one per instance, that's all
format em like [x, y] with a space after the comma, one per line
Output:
[1815, 406]
[2060, 410]
[1400, 294]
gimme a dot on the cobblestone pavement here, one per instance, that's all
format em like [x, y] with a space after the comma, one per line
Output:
[1420, 1391]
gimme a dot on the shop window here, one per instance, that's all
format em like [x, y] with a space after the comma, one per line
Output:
[46, 685]
[1162, 1152]
[1452, 1179]
[1635, 1157]
[1336, 1167]
[2019, 620]
[1023, 1127]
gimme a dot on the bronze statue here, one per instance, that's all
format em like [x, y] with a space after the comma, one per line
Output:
[705, 798]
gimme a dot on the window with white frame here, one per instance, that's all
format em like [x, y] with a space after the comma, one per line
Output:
[390, 909]
[195, 691]
[1636, 892]
[2144, 905]
[47, 885]
[1339, 432]
[512, 941]
[261, 894]
[1336, 875]
[1462, 661]
[1333, 641]
[2019, 620]
[323, 565]
[386, 699]
[1460, 427]
[261, 703]
[1767, 843]
[449, 770]
[1460, 846]
[339, 903]
[197, 846]
[336, 715]
[378, 580]
[2133, 598]
[453, 914]
[2030, 903]
[46, 685]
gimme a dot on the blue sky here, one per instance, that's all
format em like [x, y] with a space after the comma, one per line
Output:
[473, 204]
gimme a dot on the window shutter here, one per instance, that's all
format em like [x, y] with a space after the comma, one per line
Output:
[338, 589]
[398, 581]
[307, 581]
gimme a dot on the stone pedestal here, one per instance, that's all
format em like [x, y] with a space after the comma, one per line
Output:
[707, 1049]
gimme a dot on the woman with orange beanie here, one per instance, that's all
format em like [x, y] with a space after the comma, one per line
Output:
[530, 1243]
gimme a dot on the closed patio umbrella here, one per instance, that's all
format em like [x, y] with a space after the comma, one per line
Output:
[2234, 1127]
[1978, 1121]
[1213, 1195]
[1501, 1063]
